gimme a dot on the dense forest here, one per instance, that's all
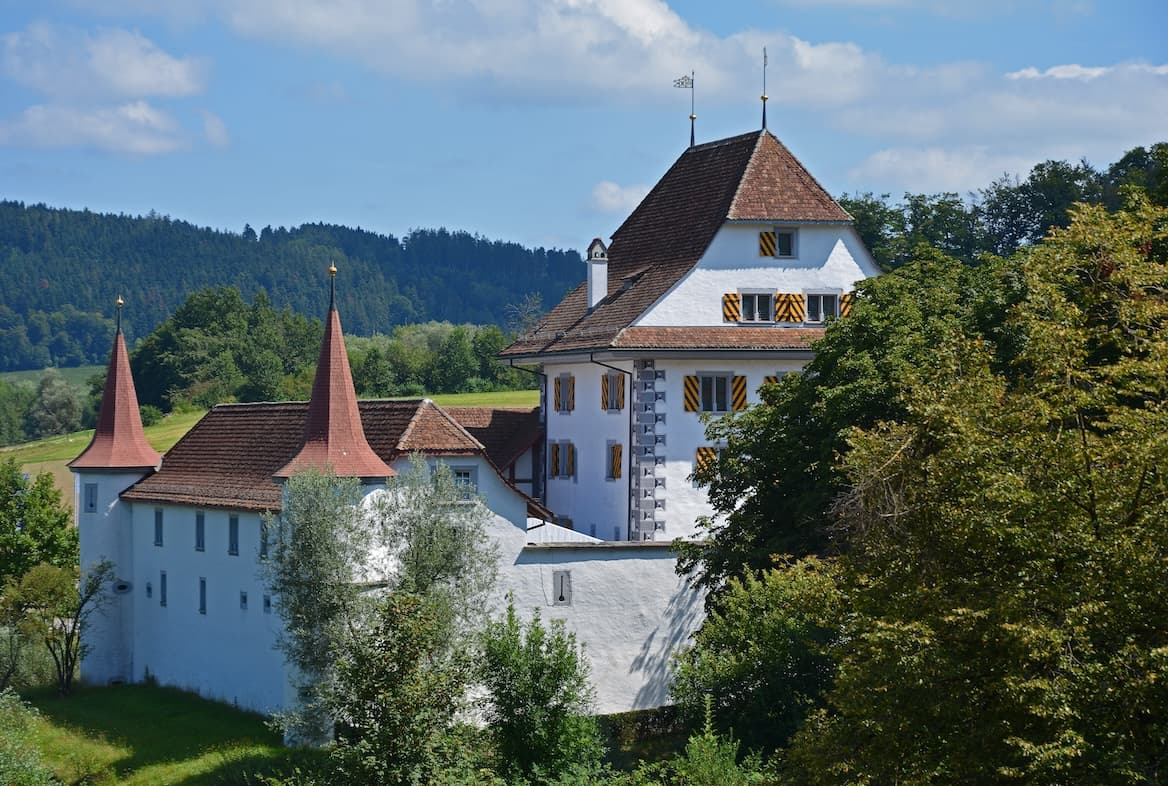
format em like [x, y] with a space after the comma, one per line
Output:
[62, 270]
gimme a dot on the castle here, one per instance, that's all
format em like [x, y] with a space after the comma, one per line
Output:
[717, 283]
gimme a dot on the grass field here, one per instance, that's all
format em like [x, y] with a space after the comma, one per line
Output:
[139, 735]
[77, 376]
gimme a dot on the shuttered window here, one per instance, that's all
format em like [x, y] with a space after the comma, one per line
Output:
[731, 307]
[612, 392]
[613, 471]
[845, 304]
[714, 393]
[776, 243]
[822, 306]
[789, 307]
[562, 460]
[564, 393]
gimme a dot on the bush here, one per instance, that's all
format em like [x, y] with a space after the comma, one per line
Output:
[20, 762]
[150, 414]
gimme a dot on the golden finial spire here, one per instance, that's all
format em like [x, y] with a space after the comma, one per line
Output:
[120, 303]
[332, 286]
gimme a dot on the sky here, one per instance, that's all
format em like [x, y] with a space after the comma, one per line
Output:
[545, 121]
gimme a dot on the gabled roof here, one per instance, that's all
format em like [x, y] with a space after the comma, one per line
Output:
[506, 432]
[751, 177]
[118, 441]
[333, 436]
[229, 458]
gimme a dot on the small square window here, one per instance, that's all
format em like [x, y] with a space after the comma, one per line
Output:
[200, 531]
[758, 307]
[233, 535]
[784, 243]
[465, 478]
[158, 527]
[561, 588]
[91, 498]
[820, 307]
[243, 600]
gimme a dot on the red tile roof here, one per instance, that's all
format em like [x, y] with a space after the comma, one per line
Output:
[747, 177]
[506, 432]
[230, 457]
[118, 441]
[730, 337]
[333, 436]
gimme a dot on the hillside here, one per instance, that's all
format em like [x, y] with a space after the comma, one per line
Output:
[63, 269]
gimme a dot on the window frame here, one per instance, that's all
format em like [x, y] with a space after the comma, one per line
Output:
[755, 294]
[794, 234]
[162, 588]
[233, 536]
[469, 490]
[158, 538]
[728, 378]
[203, 595]
[616, 382]
[200, 531]
[563, 448]
[819, 296]
[89, 497]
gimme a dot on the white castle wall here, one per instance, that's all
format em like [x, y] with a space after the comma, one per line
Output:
[829, 258]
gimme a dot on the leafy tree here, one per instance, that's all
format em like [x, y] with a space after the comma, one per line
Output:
[456, 361]
[758, 664]
[1006, 580]
[538, 698]
[53, 604]
[15, 400]
[56, 408]
[34, 523]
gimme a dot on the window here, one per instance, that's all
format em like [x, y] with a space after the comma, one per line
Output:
[776, 243]
[820, 307]
[714, 392]
[233, 535]
[564, 393]
[202, 595]
[243, 601]
[200, 531]
[756, 307]
[563, 459]
[466, 479]
[157, 526]
[149, 590]
[613, 461]
[162, 588]
[267, 604]
[561, 588]
[91, 498]
[263, 539]
[612, 391]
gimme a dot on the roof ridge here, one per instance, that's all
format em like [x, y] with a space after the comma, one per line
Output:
[742, 178]
[450, 419]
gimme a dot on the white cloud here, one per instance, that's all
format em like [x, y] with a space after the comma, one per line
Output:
[66, 63]
[940, 169]
[1085, 73]
[215, 130]
[610, 197]
[136, 128]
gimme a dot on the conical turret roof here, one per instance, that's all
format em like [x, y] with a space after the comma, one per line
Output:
[119, 441]
[334, 438]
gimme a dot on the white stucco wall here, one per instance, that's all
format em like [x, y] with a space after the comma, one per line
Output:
[597, 506]
[106, 534]
[226, 654]
[829, 258]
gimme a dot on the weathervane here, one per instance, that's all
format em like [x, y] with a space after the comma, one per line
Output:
[688, 82]
[764, 95]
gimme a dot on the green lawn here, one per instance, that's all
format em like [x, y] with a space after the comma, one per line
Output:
[77, 376]
[139, 734]
[505, 398]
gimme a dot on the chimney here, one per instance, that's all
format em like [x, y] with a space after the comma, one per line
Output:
[597, 272]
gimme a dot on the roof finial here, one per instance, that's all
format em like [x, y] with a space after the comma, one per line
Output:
[332, 287]
[120, 303]
[764, 95]
[688, 82]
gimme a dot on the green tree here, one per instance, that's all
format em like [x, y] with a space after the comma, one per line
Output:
[56, 408]
[456, 361]
[376, 377]
[34, 523]
[53, 605]
[1007, 577]
[538, 698]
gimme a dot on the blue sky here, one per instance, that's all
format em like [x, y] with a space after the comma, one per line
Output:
[545, 121]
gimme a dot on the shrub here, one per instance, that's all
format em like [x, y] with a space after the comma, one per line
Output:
[20, 762]
[150, 414]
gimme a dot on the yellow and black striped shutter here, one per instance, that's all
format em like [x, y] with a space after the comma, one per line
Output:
[770, 379]
[789, 307]
[693, 395]
[571, 461]
[556, 394]
[705, 458]
[615, 460]
[766, 244]
[738, 393]
[571, 392]
[620, 392]
[846, 304]
[555, 459]
[604, 392]
[731, 307]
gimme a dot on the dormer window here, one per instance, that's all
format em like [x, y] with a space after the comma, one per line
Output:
[776, 243]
